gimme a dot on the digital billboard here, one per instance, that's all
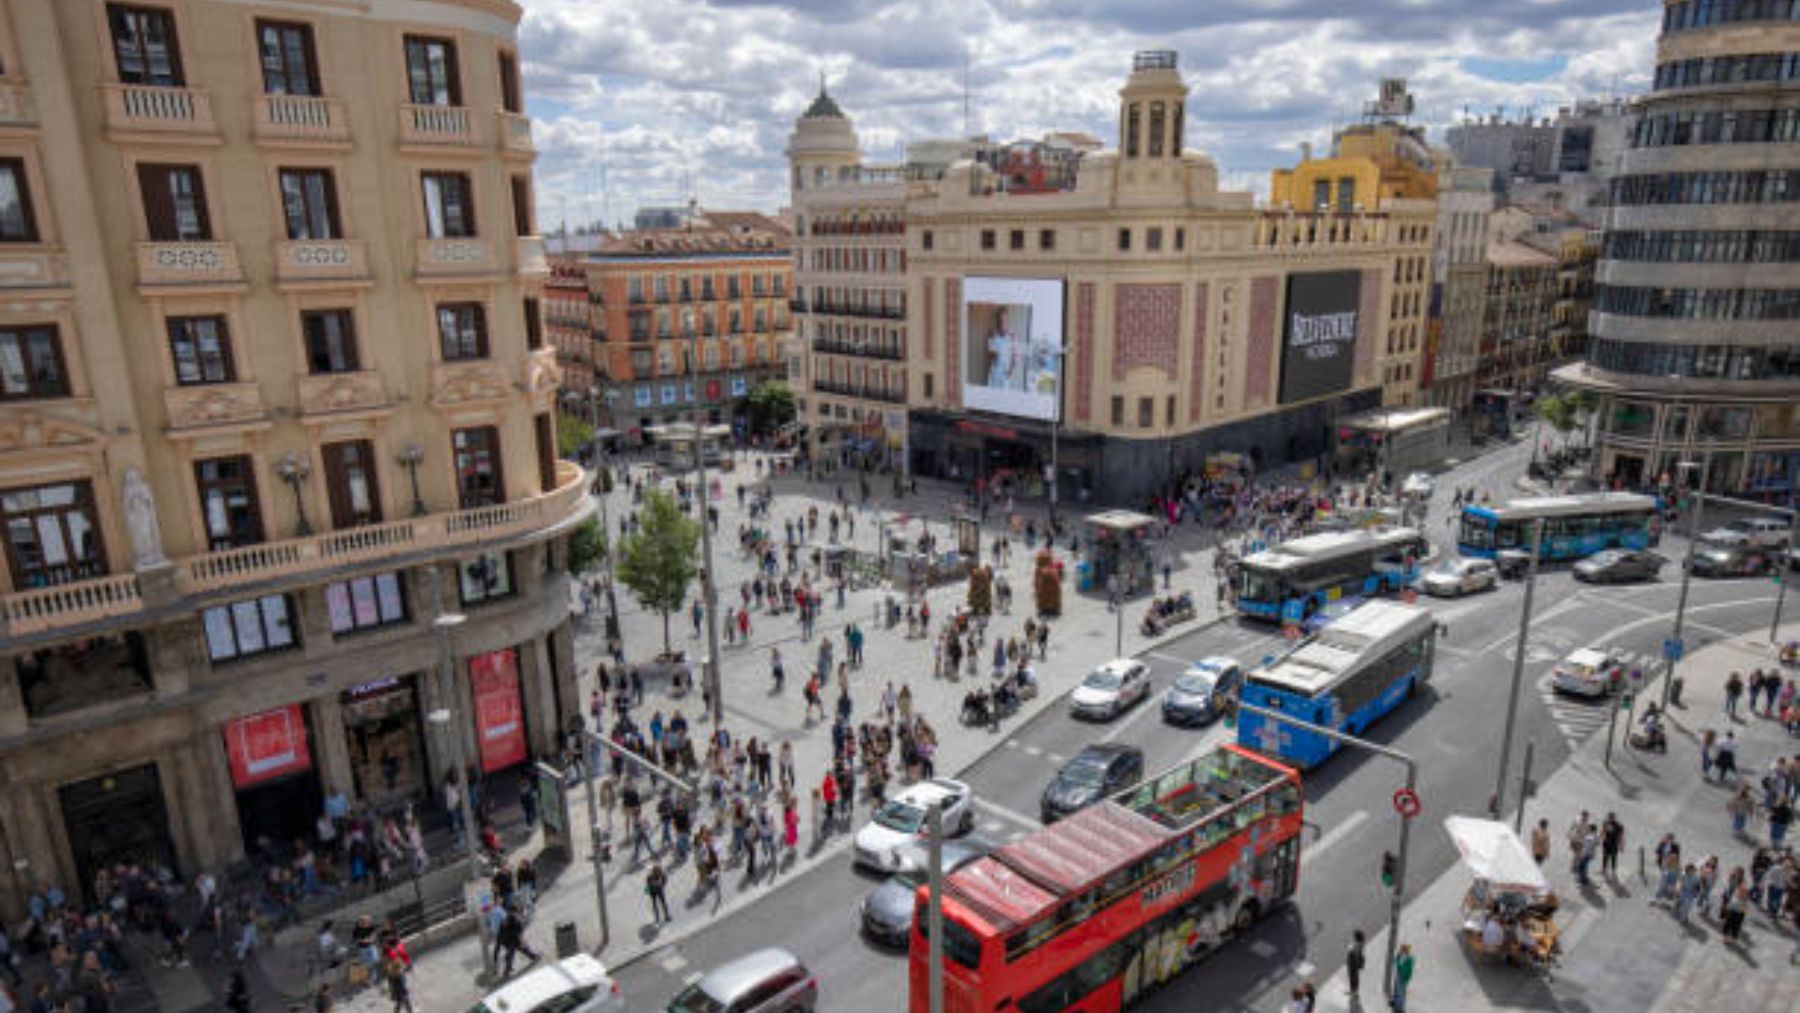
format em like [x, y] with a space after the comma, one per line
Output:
[1012, 346]
[1318, 339]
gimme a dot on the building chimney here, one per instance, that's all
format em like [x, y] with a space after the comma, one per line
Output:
[1305, 151]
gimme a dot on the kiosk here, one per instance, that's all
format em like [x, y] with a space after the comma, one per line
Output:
[1117, 542]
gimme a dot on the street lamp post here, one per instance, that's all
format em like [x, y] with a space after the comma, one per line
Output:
[1782, 567]
[295, 470]
[1687, 569]
[410, 456]
[1115, 590]
[443, 717]
[708, 590]
[613, 632]
[1518, 671]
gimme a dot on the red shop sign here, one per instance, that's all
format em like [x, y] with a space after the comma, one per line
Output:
[499, 713]
[265, 746]
[975, 428]
[713, 390]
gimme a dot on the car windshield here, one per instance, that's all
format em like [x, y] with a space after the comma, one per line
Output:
[1450, 568]
[693, 1000]
[1084, 772]
[1199, 683]
[900, 816]
[1101, 679]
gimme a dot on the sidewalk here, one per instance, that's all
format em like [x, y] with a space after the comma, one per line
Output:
[446, 977]
[1619, 953]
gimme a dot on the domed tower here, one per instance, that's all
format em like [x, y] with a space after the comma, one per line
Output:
[822, 146]
[1151, 120]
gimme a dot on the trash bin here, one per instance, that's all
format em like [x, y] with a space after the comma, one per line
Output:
[566, 943]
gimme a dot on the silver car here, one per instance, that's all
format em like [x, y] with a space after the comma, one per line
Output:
[767, 981]
[1460, 576]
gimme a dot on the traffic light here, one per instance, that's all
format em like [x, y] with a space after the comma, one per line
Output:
[1390, 869]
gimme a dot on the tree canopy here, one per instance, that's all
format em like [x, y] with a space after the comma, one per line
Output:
[659, 560]
[771, 405]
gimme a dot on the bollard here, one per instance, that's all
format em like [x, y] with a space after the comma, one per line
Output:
[1643, 876]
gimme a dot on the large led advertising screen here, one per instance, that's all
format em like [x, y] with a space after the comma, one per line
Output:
[1318, 341]
[1012, 346]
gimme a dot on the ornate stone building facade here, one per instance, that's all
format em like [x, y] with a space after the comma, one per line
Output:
[274, 394]
[1195, 322]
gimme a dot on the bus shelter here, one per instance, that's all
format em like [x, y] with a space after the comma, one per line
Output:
[673, 445]
[1117, 542]
[1394, 440]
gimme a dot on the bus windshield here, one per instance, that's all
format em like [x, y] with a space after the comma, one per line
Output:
[960, 944]
[1260, 585]
[1477, 531]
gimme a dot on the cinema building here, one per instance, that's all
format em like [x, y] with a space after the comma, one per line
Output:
[274, 395]
[1119, 301]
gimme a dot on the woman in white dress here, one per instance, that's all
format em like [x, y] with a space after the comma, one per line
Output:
[1003, 356]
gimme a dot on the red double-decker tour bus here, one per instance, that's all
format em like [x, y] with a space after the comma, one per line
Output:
[1098, 910]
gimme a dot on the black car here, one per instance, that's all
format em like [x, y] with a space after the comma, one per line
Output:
[1096, 772]
[1732, 560]
[1616, 566]
[887, 913]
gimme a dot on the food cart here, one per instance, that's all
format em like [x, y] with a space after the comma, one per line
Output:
[1117, 542]
[1509, 911]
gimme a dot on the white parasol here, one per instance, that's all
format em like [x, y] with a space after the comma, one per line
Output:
[1494, 853]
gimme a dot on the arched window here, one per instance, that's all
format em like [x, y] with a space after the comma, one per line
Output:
[1157, 117]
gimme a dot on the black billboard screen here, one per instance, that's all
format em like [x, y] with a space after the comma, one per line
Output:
[1318, 341]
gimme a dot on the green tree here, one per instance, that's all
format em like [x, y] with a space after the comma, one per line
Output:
[587, 547]
[574, 435]
[660, 560]
[771, 405]
[1560, 412]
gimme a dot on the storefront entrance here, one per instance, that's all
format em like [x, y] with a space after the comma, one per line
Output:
[278, 792]
[117, 819]
[381, 728]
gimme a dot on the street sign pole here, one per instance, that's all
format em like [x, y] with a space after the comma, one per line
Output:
[1687, 577]
[1409, 791]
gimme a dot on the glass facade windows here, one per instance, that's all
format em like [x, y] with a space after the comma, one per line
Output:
[1771, 186]
[1706, 362]
[1698, 303]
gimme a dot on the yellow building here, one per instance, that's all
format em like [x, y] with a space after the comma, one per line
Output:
[1187, 320]
[276, 394]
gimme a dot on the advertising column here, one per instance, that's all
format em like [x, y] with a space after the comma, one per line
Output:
[499, 709]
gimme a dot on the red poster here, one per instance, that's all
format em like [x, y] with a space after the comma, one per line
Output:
[713, 390]
[265, 746]
[499, 712]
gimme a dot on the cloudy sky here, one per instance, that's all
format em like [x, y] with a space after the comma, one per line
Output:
[644, 102]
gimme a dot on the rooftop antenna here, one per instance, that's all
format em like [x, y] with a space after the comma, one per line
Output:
[966, 131]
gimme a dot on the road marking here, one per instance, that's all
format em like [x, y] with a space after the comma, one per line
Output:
[1170, 658]
[673, 961]
[1010, 814]
[1034, 751]
[1055, 757]
[1335, 834]
[1012, 743]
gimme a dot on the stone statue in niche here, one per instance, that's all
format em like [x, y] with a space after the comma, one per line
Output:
[140, 521]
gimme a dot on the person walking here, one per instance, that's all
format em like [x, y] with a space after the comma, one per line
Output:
[394, 972]
[656, 884]
[511, 939]
[1540, 841]
[775, 669]
[1734, 688]
[1354, 960]
[1403, 973]
[1612, 841]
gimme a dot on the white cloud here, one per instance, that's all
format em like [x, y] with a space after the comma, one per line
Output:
[667, 98]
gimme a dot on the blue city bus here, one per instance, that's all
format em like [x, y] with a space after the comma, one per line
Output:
[1290, 582]
[1345, 677]
[1574, 526]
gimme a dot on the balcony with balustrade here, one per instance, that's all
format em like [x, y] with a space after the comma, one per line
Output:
[95, 605]
[159, 115]
[210, 265]
[300, 263]
[468, 256]
[18, 109]
[867, 392]
[438, 129]
[860, 349]
[300, 121]
[515, 135]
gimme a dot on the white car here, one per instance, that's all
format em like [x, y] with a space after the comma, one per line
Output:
[1763, 532]
[1111, 688]
[900, 824]
[1460, 576]
[1418, 485]
[1588, 672]
[577, 984]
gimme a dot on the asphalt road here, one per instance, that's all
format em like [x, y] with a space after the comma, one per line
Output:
[1453, 730]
